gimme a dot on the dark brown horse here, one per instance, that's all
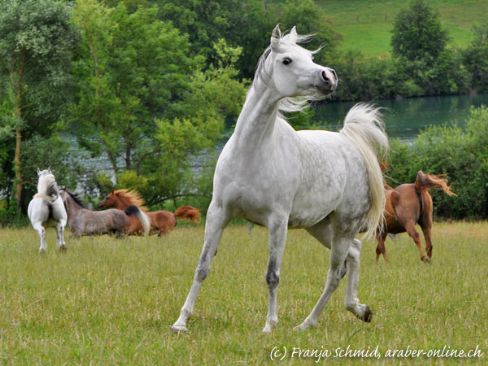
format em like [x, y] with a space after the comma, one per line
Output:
[83, 221]
[407, 205]
[161, 221]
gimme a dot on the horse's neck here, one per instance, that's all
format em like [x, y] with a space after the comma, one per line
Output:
[258, 115]
[72, 206]
[122, 203]
[43, 187]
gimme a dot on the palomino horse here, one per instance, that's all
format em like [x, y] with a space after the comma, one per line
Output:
[329, 183]
[46, 207]
[407, 205]
[161, 221]
[83, 221]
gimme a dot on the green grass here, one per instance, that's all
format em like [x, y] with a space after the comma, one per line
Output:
[112, 301]
[367, 25]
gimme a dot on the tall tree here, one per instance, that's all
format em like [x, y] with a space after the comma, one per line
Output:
[475, 58]
[132, 68]
[36, 42]
[418, 34]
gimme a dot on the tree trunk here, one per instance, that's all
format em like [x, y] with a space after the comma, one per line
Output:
[17, 166]
[16, 78]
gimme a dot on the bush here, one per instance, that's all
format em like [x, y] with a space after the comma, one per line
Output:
[460, 153]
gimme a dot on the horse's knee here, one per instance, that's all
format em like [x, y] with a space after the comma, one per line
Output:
[201, 274]
[272, 279]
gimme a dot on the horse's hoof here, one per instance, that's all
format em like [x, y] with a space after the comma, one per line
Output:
[425, 259]
[179, 328]
[42, 251]
[367, 315]
[305, 325]
[62, 248]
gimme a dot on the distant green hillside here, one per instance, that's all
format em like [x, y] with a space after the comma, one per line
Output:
[365, 25]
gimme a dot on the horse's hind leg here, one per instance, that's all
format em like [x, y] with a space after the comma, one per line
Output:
[217, 219]
[380, 247]
[42, 236]
[426, 225]
[60, 235]
[362, 311]
[339, 252]
[277, 240]
[410, 228]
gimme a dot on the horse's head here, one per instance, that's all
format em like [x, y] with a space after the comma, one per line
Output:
[109, 201]
[289, 68]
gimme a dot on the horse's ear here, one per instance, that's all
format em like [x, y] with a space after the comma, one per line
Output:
[293, 34]
[38, 171]
[275, 37]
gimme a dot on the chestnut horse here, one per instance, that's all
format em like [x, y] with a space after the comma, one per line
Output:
[407, 205]
[161, 221]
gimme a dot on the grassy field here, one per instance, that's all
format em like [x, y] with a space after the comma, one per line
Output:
[112, 301]
[366, 25]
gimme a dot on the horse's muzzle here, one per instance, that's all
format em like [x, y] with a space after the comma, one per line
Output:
[326, 80]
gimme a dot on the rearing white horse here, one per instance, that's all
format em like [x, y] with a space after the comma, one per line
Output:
[326, 182]
[47, 207]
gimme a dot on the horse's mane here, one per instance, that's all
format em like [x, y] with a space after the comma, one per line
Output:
[295, 104]
[132, 196]
[76, 198]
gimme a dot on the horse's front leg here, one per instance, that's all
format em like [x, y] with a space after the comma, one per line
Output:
[277, 239]
[217, 219]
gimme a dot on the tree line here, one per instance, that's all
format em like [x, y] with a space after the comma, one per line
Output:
[151, 85]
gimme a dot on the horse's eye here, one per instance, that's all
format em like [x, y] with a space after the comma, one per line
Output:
[287, 61]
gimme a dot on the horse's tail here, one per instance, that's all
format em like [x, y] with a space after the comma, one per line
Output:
[141, 216]
[426, 181]
[364, 127]
[189, 213]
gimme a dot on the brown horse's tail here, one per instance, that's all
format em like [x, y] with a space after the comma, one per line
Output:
[189, 213]
[426, 181]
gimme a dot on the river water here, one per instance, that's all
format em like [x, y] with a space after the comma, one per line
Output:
[405, 118]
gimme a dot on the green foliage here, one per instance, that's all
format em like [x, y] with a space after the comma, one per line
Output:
[475, 58]
[461, 154]
[131, 69]
[418, 34]
[36, 45]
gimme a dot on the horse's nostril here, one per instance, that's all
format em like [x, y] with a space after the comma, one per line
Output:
[324, 77]
[333, 73]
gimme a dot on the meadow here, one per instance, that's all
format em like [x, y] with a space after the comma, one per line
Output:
[112, 301]
[367, 25]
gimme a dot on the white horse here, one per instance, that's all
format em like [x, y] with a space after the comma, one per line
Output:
[326, 182]
[46, 207]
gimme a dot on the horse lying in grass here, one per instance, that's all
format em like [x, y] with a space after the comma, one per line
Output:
[83, 221]
[161, 221]
[45, 208]
[407, 205]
